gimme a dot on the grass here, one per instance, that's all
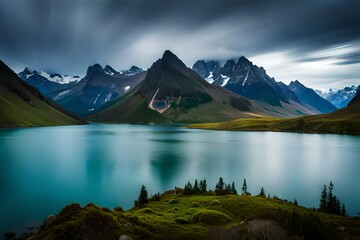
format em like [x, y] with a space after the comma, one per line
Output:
[197, 217]
[346, 121]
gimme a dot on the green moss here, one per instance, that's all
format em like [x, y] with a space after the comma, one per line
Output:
[182, 220]
[173, 201]
[191, 218]
[195, 204]
[214, 203]
[146, 211]
[210, 217]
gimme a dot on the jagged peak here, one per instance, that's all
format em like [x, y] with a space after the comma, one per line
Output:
[168, 55]
[243, 59]
[94, 68]
[170, 58]
[28, 70]
[108, 67]
[231, 61]
[135, 68]
[296, 83]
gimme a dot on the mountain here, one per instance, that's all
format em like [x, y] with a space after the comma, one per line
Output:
[310, 97]
[171, 92]
[246, 79]
[99, 86]
[23, 105]
[356, 99]
[46, 82]
[339, 98]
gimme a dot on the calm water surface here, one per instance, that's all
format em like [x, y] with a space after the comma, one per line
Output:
[44, 169]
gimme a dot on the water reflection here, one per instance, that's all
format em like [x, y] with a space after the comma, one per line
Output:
[43, 169]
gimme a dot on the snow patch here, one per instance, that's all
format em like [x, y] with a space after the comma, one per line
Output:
[246, 77]
[226, 79]
[62, 79]
[109, 73]
[210, 78]
[96, 98]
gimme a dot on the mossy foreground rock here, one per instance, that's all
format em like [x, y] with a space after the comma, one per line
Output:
[211, 217]
[237, 217]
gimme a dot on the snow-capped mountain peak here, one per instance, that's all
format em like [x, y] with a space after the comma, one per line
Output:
[57, 78]
[132, 71]
[339, 97]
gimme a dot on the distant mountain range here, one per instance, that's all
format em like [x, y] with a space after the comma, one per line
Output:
[339, 98]
[83, 95]
[22, 105]
[251, 81]
[172, 92]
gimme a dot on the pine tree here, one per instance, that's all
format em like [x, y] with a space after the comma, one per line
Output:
[233, 189]
[337, 206]
[323, 199]
[244, 188]
[295, 202]
[204, 186]
[330, 207]
[262, 192]
[343, 210]
[196, 189]
[219, 189]
[143, 196]
[188, 189]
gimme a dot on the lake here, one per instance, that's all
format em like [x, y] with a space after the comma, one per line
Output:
[44, 169]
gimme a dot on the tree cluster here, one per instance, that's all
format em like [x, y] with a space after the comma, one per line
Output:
[330, 203]
[197, 188]
[222, 188]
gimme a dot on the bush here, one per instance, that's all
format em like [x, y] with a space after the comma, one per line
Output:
[146, 210]
[118, 209]
[210, 217]
[214, 203]
[195, 204]
[173, 201]
[182, 220]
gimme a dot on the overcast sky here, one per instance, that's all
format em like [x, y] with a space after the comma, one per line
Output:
[316, 42]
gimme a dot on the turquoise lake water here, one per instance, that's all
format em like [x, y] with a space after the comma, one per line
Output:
[44, 169]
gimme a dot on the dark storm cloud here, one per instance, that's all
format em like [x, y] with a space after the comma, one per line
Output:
[67, 36]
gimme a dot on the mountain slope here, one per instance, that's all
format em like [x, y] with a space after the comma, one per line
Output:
[310, 97]
[171, 92]
[355, 99]
[339, 98]
[343, 121]
[22, 105]
[99, 86]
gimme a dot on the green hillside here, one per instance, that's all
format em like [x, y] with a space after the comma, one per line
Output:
[175, 216]
[343, 121]
[21, 105]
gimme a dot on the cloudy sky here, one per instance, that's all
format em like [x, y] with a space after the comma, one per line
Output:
[316, 42]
